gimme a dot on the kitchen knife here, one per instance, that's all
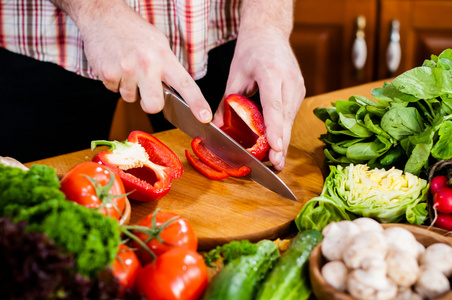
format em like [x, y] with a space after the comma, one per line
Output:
[177, 112]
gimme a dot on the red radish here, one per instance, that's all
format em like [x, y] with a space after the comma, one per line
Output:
[438, 182]
[444, 221]
[442, 200]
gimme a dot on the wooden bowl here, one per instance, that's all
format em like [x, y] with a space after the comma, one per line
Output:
[324, 291]
[127, 213]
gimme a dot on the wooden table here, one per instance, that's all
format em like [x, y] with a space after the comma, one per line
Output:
[238, 208]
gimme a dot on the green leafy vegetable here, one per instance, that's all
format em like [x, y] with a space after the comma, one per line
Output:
[34, 196]
[230, 251]
[28, 188]
[388, 196]
[407, 126]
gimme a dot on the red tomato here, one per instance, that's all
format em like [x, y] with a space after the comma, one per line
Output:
[438, 182]
[126, 267]
[442, 200]
[178, 234]
[176, 274]
[76, 185]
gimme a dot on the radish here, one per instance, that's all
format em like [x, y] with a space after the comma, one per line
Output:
[438, 182]
[444, 221]
[442, 200]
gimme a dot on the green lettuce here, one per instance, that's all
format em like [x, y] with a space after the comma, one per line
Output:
[388, 196]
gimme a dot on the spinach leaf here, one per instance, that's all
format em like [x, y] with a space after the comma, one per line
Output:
[443, 147]
[400, 122]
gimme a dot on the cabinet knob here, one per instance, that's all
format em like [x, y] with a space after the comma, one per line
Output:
[394, 52]
[359, 49]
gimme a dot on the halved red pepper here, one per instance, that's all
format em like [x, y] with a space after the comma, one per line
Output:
[146, 166]
[243, 121]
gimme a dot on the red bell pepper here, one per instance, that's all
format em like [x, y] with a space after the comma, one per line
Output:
[205, 169]
[146, 166]
[214, 161]
[243, 121]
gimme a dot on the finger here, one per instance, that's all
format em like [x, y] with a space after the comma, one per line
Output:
[184, 84]
[128, 88]
[272, 109]
[151, 93]
[218, 118]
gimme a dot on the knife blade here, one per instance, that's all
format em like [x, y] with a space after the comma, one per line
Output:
[177, 112]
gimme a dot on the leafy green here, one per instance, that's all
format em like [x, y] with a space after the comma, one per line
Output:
[407, 126]
[230, 251]
[388, 196]
[34, 196]
[31, 187]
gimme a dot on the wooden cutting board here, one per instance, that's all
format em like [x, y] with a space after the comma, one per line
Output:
[237, 208]
[223, 210]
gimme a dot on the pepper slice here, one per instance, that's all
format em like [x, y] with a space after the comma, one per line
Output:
[146, 166]
[205, 169]
[214, 161]
[243, 121]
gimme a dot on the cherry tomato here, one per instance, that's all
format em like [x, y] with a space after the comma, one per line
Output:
[438, 182]
[172, 229]
[126, 267]
[77, 186]
[444, 221]
[179, 273]
[442, 200]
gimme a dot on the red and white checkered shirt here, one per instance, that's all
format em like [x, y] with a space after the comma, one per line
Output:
[38, 29]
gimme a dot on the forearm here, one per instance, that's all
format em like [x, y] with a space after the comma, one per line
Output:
[271, 14]
[84, 12]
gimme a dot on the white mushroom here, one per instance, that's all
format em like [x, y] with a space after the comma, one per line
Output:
[403, 239]
[368, 224]
[438, 256]
[336, 236]
[370, 285]
[407, 294]
[402, 267]
[363, 245]
[432, 283]
[335, 273]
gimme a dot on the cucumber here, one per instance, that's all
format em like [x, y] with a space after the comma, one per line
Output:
[240, 278]
[289, 279]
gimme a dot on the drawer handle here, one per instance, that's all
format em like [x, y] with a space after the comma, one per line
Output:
[394, 52]
[359, 50]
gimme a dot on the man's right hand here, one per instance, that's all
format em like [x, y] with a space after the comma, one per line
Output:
[131, 56]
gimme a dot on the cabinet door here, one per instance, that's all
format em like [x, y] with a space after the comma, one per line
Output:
[323, 37]
[425, 29]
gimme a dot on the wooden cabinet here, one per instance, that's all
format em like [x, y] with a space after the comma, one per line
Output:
[325, 32]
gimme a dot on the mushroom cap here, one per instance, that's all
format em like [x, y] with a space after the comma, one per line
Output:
[432, 283]
[335, 236]
[438, 256]
[335, 273]
[402, 268]
[362, 245]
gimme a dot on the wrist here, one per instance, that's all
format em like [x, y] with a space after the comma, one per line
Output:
[271, 16]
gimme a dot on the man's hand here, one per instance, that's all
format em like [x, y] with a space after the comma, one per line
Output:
[264, 60]
[131, 56]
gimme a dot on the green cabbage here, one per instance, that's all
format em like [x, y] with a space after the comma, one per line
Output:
[388, 196]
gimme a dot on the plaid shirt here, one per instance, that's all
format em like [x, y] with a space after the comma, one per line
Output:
[38, 29]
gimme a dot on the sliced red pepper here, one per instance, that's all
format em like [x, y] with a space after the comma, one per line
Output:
[205, 169]
[243, 121]
[146, 166]
[214, 161]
